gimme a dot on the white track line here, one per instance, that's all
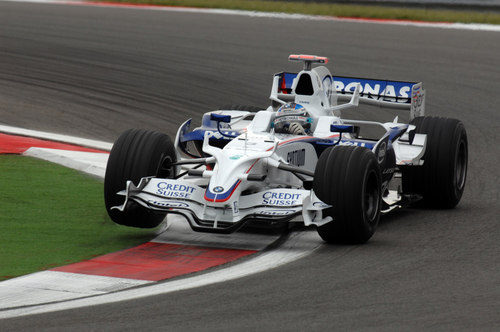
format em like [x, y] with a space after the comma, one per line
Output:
[52, 286]
[87, 162]
[440, 25]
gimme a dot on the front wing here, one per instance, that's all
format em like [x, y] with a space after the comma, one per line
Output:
[185, 198]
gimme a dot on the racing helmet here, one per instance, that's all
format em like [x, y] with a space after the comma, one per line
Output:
[292, 119]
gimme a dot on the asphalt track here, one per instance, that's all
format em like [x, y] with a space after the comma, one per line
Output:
[94, 72]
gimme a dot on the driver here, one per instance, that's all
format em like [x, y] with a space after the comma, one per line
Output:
[292, 119]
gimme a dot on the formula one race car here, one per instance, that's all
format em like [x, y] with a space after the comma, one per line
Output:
[297, 160]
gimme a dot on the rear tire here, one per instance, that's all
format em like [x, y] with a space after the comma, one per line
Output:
[349, 179]
[441, 179]
[136, 154]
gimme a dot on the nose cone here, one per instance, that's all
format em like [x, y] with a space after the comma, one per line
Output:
[226, 177]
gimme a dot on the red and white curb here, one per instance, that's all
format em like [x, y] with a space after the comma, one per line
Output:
[425, 24]
[77, 142]
[176, 251]
[298, 245]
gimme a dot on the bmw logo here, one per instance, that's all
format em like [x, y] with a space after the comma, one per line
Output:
[218, 189]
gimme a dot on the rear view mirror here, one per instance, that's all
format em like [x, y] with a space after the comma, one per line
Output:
[336, 128]
[220, 118]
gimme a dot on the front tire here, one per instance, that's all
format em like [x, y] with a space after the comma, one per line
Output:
[441, 179]
[349, 179]
[136, 154]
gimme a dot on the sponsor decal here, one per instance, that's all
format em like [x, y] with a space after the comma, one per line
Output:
[213, 134]
[297, 157]
[417, 97]
[217, 135]
[275, 212]
[417, 102]
[290, 107]
[218, 196]
[236, 209]
[375, 89]
[170, 204]
[236, 157]
[389, 170]
[280, 199]
[381, 152]
[288, 118]
[321, 205]
[218, 189]
[174, 190]
[350, 143]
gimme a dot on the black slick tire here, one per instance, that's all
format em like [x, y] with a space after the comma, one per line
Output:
[441, 179]
[349, 179]
[136, 154]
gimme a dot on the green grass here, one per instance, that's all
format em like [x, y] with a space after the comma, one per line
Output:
[336, 10]
[51, 216]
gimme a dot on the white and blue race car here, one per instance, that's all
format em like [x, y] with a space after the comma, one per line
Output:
[298, 160]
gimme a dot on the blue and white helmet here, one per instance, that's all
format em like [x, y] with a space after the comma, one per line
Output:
[289, 116]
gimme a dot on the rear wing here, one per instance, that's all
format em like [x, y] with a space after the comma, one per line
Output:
[391, 94]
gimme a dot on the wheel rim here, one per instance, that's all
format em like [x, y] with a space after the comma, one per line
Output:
[371, 199]
[461, 165]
